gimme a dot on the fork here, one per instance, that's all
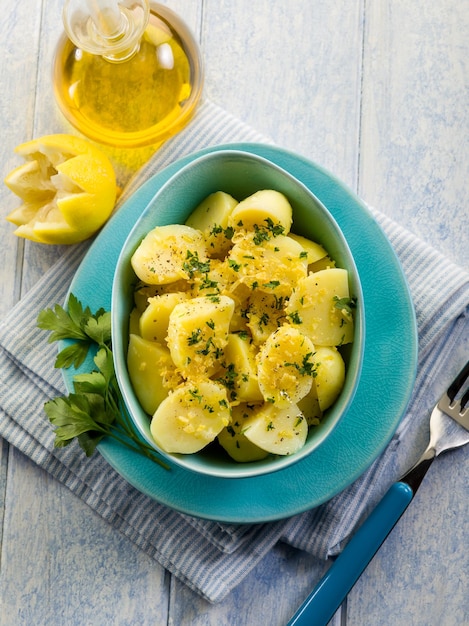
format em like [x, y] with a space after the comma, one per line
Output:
[449, 429]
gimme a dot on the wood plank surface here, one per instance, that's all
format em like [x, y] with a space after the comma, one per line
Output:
[375, 92]
[414, 140]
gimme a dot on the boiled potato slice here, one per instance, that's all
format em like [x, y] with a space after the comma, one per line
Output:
[166, 252]
[275, 430]
[214, 210]
[153, 323]
[326, 263]
[211, 218]
[143, 292]
[314, 306]
[264, 209]
[235, 442]
[309, 406]
[285, 367]
[191, 417]
[134, 322]
[314, 251]
[265, 313]
[330, 376]
[274, 265]
[216, 280]
[148, 364]
[239, 321]
[198, 332]
[239, 373]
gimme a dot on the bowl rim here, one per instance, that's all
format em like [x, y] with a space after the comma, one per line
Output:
[137, 233]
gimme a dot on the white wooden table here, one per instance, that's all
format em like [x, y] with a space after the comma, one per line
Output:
[377, 92]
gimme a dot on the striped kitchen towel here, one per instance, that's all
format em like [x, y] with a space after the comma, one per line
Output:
[211, 557]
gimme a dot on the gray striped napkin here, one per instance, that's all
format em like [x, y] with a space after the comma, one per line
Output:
[210, 557]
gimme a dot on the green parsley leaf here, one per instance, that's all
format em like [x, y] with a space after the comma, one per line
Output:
[61, 324]
[70, 416]
[94, 382]
[99, 329]
[88, 441]
[74, 355]
[105, 364]
[96, 408]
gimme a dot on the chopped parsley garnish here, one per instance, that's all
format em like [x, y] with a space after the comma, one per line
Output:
[275, 229]
[193, 264]
[229, 380]
[295, 318]
[195, 393]
[307, 366]
[208, 345]
[345, 304]
[264, 233]
[216, 229]
[194, 337]
[260, 235]
[208, 283]
[234, 266]
[279, 302]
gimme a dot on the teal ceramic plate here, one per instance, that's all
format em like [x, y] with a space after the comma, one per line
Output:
[385, 386]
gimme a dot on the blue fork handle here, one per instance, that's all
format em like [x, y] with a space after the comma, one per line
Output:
[320, 606]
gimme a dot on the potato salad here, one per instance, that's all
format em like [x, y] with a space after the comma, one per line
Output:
[236, 329]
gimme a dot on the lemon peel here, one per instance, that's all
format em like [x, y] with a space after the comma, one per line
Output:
[67, 187]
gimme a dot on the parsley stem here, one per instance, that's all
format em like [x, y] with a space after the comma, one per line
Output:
[140, 447]
[123, 420]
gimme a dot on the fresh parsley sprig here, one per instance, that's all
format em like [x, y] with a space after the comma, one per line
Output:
[96, 408]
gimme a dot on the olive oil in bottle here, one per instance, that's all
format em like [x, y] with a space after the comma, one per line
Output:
[128, 93]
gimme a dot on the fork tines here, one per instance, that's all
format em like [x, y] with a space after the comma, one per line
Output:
[457, 385]
[453, 405]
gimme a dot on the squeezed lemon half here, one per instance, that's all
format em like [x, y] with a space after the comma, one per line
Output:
[67, 187]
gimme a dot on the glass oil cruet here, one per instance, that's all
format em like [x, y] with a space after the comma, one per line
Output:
[127, 73]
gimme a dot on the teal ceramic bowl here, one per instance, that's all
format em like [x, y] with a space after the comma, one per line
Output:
[239, 174]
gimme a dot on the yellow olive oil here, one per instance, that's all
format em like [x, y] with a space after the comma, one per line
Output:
[137, 102]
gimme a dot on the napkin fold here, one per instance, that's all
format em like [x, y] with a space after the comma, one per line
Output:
[210, 557]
